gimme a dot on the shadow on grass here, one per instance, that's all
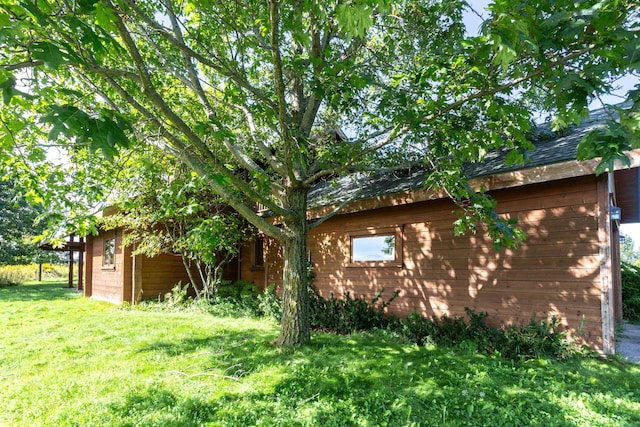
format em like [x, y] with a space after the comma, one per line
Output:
[367, 380]
[155, 406]
[38, 291]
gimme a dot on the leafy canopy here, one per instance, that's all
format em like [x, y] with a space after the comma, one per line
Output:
[249, 94]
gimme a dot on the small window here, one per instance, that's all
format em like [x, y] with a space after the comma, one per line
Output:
[376, 248]
[373, 248]
[257, 260]
[109, 254]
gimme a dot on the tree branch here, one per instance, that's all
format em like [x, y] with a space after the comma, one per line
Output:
[22, 65]
[219, 66]
[278, 80]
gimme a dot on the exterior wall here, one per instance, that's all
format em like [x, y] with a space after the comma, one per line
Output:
[271, 273]
[158, 275]
[556, 272]
[108, 284]
[134, 278]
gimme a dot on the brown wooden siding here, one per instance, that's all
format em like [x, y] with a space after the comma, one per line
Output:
[272, 271]
[108, 284]
[555, 272]
[627, 182]
[160, 274]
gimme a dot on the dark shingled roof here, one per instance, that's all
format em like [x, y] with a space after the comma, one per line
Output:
[549, 149]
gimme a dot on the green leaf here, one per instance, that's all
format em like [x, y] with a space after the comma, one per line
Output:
[105, 17]
[49, 53]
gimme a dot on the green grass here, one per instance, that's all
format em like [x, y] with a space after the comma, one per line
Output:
[70, 361]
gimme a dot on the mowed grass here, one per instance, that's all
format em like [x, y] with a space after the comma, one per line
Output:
[70, 361]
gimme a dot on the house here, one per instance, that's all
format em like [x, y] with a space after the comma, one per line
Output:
[397, 235]
[115, 274]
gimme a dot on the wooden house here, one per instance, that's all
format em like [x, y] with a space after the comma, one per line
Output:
[397, 235]
[115, 274]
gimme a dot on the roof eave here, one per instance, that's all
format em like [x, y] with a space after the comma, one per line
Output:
[527, 176]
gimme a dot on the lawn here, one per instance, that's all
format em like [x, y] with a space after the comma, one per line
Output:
[70, 361]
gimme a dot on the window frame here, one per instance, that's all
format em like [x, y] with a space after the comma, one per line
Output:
[106, 265]
[397, 232]
[254, 258]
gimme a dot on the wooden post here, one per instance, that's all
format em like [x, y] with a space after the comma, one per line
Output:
[88, 269]
[80, 267]
[606, 282]
[70, 283]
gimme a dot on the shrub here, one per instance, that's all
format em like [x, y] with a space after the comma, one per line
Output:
[232, 299]
[179, 296]
[534, 340]
[448, 331]
[630, 292]
[343, 316]
[537, 339]
[270, 304]
[238, 290]
[238, 298]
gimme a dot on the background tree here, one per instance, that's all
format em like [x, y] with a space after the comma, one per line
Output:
[249, 94]
[628, 252]
[18, 227]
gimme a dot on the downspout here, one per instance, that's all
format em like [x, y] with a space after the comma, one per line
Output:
[616, 218]
[605, 202]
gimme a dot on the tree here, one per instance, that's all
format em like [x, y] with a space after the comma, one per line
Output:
[18, 225]
[173, 211]
[627, 250]
[249, 94]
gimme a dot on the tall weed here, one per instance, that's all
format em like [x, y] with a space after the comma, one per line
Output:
[17, 274]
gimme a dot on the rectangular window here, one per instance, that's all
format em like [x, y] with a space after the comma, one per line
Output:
[109, 254]
[376, 247]
[373, 248]
[257, 260]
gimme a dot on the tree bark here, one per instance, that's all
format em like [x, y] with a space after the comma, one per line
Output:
[295, 325]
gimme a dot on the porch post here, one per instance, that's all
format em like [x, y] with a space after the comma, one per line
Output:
[70, 282]
[81, 267]
[607, 302]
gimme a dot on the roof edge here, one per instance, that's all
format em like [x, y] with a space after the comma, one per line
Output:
[518, 178]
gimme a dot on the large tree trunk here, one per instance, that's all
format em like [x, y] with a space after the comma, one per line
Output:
[295, 328]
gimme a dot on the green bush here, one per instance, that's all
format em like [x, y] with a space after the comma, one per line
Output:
[343, 316]
[238, 290]
[630, 292]
[238, 298]
[535, 340]
[270, 304]
[235, 299]
[539, 338]
[447, 331]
